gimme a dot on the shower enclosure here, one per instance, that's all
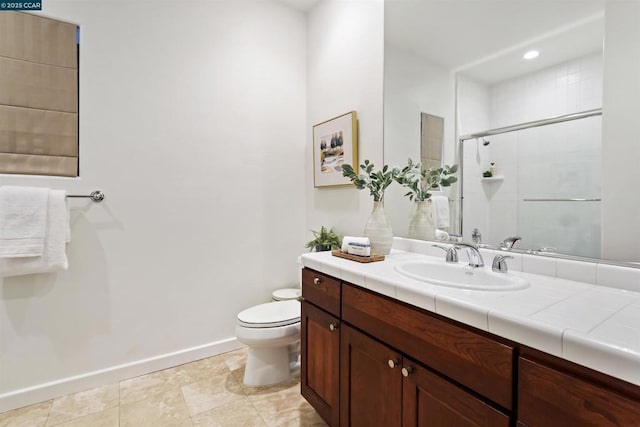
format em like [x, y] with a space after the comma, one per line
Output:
[546, 188]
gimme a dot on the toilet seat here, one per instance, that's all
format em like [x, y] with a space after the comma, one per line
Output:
[286, 294]
[270, 315]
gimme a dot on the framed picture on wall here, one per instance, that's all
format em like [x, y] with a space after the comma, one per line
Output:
[335, 142]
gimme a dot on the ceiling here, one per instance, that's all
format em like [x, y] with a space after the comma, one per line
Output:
[302, 5]
[460, 34]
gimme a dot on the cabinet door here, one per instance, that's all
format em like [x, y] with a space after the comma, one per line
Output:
[549, 397]
[320, 369]
[370, 383]
[430, 400]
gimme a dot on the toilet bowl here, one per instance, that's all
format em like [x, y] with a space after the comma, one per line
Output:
[271, 331]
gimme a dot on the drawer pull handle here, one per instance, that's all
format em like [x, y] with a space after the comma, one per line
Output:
[333, 326]
[393, 363]
[316, 281]
[407, 371]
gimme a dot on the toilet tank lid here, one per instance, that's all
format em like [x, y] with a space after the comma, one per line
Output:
[286, 294]
[278, 313]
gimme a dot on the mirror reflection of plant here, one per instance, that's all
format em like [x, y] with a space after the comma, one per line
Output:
[420, 182]
[375, 181]
[324, 240]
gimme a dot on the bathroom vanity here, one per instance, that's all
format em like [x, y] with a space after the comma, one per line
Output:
[373, 355]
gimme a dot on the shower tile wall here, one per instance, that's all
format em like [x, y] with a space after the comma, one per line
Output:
[520, 157]
[565, 88]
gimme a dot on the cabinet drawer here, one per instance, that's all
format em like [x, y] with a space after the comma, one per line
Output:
[321, 290]
[547, 397]
[474, 360]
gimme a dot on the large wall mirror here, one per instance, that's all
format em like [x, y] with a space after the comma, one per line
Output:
[535, 125]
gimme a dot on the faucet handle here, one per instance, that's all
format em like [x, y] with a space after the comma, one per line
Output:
[452, 252]
[509, 242]
[500, 263]
[546, 249]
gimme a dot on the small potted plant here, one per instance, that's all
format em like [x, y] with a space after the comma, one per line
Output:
[375, 181]
[420, 184]
[377, 228]
[324, 240]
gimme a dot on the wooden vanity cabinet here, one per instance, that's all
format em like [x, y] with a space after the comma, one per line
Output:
[352, 379]
[558, 393]
[382, 387]
[471, 359]
[320, 344]
[454, 375]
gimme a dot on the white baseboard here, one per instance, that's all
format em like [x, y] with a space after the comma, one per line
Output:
[42, 392]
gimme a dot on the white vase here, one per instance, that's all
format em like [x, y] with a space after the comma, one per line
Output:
[421, 225]
[378, 230]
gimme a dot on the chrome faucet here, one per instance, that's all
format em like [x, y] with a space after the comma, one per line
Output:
[475, 258]
[452, 253]
[476, 236]
[509, 242]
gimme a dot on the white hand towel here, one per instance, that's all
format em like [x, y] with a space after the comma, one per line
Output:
[442, 235]
[440, 210]
[53, 257]
[23, 220]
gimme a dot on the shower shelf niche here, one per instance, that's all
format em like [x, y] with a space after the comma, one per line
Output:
[493, 178]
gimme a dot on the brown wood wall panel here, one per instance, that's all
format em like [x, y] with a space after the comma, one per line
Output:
[41, 132]
[37, 39]
[38, 165]
[32, 85]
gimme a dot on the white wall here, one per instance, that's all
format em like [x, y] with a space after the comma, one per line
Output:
[345, 67]
[621, 150]
[473, 116]
[412, 85]
[192, 121]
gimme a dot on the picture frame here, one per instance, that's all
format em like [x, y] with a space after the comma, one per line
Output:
[335, 142]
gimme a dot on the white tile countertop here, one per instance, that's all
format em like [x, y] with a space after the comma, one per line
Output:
[587, 323]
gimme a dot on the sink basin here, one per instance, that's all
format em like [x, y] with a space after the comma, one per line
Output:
[461, 276]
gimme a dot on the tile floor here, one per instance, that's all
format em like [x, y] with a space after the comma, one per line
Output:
[207, 392]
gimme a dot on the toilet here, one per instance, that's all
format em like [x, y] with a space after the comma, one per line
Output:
[271, 331]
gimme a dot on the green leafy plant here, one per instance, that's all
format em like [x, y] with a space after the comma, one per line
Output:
[375, 181]
[421, 182]
[324, 240]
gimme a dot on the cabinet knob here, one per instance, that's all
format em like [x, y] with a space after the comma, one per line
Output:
[316, 281]
[407, 371]
[393, 363]
[333, 326]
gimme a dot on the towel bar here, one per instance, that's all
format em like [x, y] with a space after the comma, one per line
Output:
[96, 196]
[562, 200]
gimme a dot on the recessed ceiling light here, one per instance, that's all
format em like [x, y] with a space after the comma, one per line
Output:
[531, 54]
